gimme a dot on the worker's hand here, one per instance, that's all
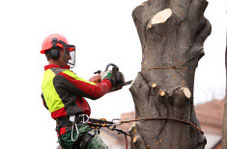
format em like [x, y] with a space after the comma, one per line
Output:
[116, 79]
[95, 79]
[106, 75]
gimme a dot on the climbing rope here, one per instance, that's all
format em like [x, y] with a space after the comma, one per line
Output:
[164, 118]
[112, 125]
[172, 67]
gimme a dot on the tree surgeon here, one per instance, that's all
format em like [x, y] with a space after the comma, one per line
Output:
[63, 94]
[172, 33]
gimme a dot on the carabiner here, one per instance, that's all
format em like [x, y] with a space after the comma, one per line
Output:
[77, 131]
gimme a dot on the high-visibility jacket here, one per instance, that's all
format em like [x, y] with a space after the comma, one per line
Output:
[63, 92]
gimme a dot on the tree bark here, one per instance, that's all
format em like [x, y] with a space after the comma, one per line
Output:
[224, 129]
[171, 33]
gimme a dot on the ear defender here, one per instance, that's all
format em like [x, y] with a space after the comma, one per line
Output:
[55, 50]
[54, 53]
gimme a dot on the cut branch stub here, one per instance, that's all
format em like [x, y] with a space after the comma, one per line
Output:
[154, 89]
[162, 93]
[154, 85]
[186, 92]
[136, 139]
[182, 92]
[161, 16]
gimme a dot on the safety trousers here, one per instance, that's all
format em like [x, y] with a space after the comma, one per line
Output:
[67, 143]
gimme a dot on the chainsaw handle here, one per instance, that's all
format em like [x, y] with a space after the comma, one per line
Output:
[111, 64]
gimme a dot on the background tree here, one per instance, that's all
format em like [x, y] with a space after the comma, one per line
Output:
[172, 33]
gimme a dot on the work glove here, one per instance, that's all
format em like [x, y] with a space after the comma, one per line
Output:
[106, 75]
[116, 78]
[109, 76]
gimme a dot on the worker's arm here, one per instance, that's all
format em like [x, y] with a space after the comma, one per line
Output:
[78, 86]
[95, 79]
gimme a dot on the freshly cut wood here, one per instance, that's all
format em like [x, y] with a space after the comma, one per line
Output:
[161, 16]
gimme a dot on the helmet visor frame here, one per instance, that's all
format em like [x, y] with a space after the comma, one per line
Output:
[70, 50]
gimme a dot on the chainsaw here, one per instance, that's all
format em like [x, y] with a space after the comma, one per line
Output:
[117, 75]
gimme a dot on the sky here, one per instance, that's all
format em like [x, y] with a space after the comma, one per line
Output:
[103, 32]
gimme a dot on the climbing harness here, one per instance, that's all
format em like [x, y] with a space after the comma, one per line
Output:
[97, 124]
[72, 121]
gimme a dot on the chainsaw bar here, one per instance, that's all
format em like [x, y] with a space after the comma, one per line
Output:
[126, 83]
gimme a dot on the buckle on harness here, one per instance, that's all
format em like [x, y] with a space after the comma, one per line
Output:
[72, 118]
[82, 118]
[85, 118]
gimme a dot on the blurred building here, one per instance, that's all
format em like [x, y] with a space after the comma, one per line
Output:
[210, 116]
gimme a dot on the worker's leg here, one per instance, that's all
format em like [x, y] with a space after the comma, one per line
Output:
[97, 143]
[67, 143]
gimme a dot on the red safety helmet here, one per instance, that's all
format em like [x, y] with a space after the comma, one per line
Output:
[56, 40]
[61, 42]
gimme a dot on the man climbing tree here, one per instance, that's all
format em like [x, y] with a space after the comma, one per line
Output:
[63, 95]
[172, 33]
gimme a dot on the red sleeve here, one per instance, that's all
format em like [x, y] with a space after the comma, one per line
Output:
[86, 89]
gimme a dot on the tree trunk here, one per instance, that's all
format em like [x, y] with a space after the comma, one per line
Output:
[172, 33]
[224, 129]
